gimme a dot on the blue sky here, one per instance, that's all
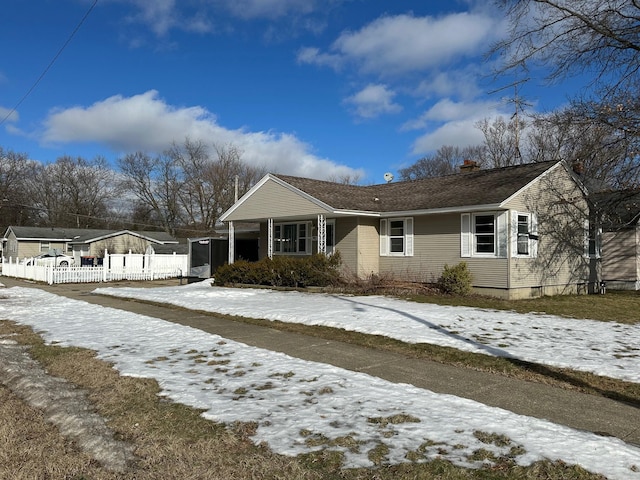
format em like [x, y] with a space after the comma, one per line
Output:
[318, 88]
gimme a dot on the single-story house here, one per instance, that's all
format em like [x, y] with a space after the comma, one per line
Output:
[522, 230]
[25, 242]
[619, 218]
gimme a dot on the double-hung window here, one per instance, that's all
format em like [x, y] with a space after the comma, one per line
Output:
[483, 234]
[292, 238]
[396, 237]
[524, 234]
[592, 236]
[45, 246]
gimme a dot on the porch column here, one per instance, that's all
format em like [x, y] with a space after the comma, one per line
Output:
[270, 237]
[322, 234]
[232, 243]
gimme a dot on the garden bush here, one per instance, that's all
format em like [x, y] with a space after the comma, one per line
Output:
[456, 280]
[282, 271]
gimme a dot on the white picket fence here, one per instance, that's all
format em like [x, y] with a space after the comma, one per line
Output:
[130, 266]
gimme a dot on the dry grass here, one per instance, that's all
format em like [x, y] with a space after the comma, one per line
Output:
[172, 441]
[614, 306]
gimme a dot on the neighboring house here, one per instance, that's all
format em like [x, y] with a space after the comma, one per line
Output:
[521, 230]
[619, 218]
[25, 242]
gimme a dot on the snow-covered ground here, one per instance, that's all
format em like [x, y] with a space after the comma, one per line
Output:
[299, 405]
[609, 349]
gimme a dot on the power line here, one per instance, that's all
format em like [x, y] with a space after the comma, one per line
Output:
[35, 84]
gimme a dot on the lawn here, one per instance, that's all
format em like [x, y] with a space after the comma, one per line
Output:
[173, 441]
[614, 306]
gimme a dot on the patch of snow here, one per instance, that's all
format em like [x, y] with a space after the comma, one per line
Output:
[605, 348]
[300, 406]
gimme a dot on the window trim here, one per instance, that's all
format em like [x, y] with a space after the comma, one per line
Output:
[45, 246]
[475, 235]
[595, 240]
[468, 235]
[532, 234]
[330, 222]
[386, 237]
[277, 240]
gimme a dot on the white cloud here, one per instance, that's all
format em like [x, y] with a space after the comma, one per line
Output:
[161, 16]
[314, 56]
[457, 83]
[394, 45]
[451, 123]
[146, 122]
[9, 114]
[248, 9]
[461, 133]
[373, 101]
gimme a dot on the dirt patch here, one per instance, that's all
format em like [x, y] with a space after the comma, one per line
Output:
[63, 405]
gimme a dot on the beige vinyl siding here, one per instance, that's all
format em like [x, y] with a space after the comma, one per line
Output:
[31, 248]
[346, 243]
[357, 242]
[561, 210]
[368, 261]
[272, 200]
[436, 244]
[119, 244]
[620, 256]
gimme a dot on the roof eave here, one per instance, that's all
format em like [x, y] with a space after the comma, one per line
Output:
[443, 210]
[280, 182]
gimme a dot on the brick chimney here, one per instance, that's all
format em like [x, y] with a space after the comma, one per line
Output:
[578, 167]
[469, 166]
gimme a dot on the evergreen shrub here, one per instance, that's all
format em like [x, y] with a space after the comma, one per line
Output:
[316, 270]
[456, 280]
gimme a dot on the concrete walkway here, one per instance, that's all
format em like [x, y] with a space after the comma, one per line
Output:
[577, 410]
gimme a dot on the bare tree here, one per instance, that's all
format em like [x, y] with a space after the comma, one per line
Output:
[606, 155]
[502, 140]
[231, 176]
[15, 201]
[574, 37]
[345, 179]
[155, 183]
[73, 192]
[601, 41]
[445, 161]
[189, 186]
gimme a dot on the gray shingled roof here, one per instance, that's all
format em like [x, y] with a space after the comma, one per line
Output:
[80, 234]
[47, 233]
[481, 187]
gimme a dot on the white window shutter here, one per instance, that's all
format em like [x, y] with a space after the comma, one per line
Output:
[408, 225]
[501, 231]
[465, 235]
[384, 238]
[533, 242]
[514, 233]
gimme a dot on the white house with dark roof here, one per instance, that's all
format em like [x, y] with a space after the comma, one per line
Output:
[521, 230]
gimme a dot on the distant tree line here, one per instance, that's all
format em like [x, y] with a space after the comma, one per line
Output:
[183, 191]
